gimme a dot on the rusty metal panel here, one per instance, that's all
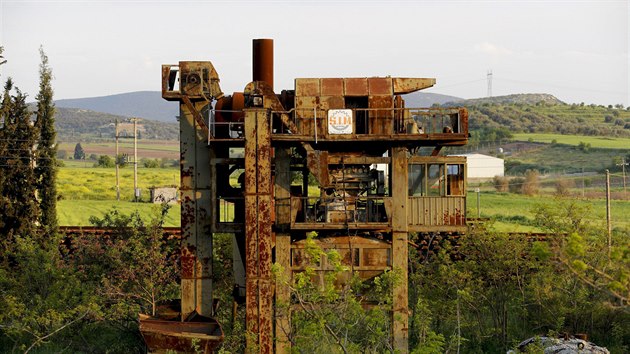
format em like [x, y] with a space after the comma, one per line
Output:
[305, 104]
[332, 87]
[409, 85]
[199, 79]
[196, 246]
[381, 115]
[317, 163]
[305, 114]
[332, 102]
[437, 211]
[307, 87]
[355, 86]
[380, 86]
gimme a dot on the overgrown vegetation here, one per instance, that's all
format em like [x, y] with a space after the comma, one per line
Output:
[549, 117]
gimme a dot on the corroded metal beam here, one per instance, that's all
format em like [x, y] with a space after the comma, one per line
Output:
[258, 236]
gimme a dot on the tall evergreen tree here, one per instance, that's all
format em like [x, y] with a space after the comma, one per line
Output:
[79, 153]
[18, 205]
[46, 170]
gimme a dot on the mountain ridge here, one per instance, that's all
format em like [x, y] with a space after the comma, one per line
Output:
[140, 104]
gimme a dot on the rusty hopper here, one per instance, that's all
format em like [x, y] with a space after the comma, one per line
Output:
[200, 334]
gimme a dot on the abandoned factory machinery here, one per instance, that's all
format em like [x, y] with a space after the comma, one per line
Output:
[343, 157]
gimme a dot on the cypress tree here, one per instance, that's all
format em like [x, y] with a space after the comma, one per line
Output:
[4, 156]
[46, 169]
[18, 205]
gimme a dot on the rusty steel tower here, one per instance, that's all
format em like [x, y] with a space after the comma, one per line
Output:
[246, 160]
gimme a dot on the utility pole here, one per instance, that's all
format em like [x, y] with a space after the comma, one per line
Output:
[623, 173]
[583, 184]
[608, 212]
[478, 203]
[489, 78]
[135, 160]
[116, 159]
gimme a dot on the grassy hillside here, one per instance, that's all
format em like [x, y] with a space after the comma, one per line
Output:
[539, 113]
[86, 125]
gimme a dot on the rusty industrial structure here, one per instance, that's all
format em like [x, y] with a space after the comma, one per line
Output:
[247, 160]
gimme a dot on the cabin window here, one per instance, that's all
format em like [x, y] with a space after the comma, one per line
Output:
[417, 185]
[436, 180]
[455, 179]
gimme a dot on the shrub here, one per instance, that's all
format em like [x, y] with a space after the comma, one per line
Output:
[501, 183]
[150, 163]
[515, 184]
[563, 186]
[104, 161]
[531, 184]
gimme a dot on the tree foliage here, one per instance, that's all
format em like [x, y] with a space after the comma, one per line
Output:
[79, 153]
[46, 169]
[334, 317]
[18, 203]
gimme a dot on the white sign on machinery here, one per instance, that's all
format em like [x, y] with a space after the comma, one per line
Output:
[340, 121]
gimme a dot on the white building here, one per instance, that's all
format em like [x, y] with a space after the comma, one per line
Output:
[484, 166]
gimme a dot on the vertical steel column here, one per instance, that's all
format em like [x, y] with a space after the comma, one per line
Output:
[258, 305]
[196, 243]
[283, 247]
[400, 325]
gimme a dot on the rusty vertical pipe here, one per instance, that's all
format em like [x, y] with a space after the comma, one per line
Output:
[262, 60]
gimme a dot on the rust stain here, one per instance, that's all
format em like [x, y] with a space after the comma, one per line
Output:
[188, 259]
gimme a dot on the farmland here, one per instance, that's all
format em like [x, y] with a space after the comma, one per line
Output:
[575, 140]
[92, 192]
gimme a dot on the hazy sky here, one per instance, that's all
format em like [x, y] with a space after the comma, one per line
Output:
[575, 50]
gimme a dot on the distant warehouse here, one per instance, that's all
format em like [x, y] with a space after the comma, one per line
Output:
[484, 166]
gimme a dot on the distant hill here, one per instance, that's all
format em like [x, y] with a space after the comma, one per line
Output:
[141, 104]
[522, 98]
[151, 105]
[74, 124]
[421, 99]
[544, 113]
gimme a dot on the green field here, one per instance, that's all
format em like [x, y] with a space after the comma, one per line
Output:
[575, 140]
[78, 212]
[91, 191]
[78, 183]
[514, 212]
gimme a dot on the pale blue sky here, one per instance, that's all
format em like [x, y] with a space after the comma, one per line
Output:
[575, 50]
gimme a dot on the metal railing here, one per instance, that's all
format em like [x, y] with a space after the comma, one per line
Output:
[225, 129]
[365, 121]
[375, 121]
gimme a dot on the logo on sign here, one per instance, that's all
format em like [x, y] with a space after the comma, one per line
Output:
[340, 121]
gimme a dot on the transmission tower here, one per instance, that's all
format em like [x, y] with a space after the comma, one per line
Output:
[489, 77]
